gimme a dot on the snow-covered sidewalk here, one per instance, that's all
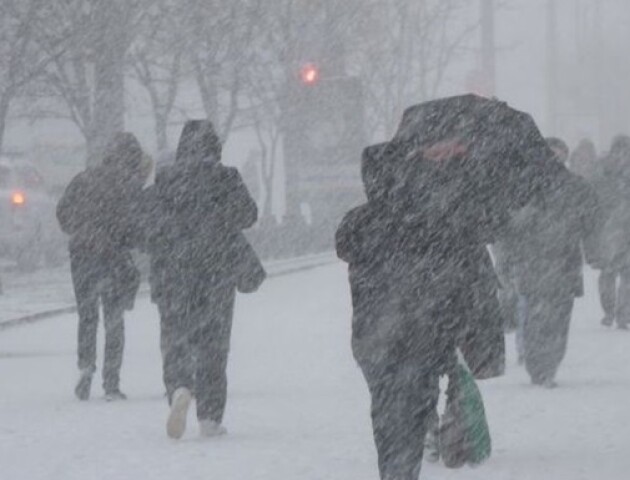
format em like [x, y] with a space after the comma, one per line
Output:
[298, 407]
[29, 294]
[39, 295]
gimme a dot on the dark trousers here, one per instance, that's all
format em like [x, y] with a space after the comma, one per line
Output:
[404, 399]
[92, 280]
[195, 342]
[546, 332]
[615, 299]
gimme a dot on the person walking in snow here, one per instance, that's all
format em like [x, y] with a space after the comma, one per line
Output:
[196, 211]
[403, 384]
[413, 253]
[411, 278]
[97, 212]
[613, 189]
[584, 162]
[548, 238]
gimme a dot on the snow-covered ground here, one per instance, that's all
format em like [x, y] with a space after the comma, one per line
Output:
[298, 407]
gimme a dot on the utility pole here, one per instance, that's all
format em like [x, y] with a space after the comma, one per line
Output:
[488, 49]
[552, 67]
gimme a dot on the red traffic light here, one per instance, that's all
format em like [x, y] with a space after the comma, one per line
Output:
[309, 74]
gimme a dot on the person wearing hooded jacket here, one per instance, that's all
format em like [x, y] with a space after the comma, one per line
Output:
[613, 189]
[194, 215]
[584, 162]
[547, 241]
[410, 277]
[97, 211]
[403, 394]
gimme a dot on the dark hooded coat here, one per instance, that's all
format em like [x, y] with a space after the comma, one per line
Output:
[98, 210]
[98, 206]
[362, 241]
[419, 246]
[613, 190]
[194, 215]
[547, 238]
[408, 275]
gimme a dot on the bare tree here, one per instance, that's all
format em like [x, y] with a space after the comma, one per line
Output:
[265, 117]
[290, 34]
[219, 50]
[86, 42]
[277, 49]
[157, 57]
[402, 51]
[20, 61]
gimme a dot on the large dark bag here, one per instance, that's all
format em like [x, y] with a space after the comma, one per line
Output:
[125, 280]
[250, 273]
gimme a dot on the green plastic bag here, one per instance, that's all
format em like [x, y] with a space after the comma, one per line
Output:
[464, 433]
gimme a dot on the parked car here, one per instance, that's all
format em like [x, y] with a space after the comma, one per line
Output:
[29, 233]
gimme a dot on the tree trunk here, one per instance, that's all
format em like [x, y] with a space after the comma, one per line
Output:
[4, 111]
[109, 101]
[161, 126]
[209, 95]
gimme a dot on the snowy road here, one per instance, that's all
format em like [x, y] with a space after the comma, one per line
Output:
[298, 407]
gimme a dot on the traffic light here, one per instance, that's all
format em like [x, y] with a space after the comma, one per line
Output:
[322, 145]
[309, 74]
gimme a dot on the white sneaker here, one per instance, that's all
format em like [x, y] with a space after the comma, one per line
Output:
[176, 423]
[210, 428]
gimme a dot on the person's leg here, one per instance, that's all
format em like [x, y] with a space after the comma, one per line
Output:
[113, 320]
[546, 335]
[403, 402]
[533, 336]
[432, 439]
[85, 281]
[213, 345]
[522, 315]
[561, 310]
[508, 300]
[379, 382]
[177, 363]
[607, 294]
[623, 298]
[177, 343]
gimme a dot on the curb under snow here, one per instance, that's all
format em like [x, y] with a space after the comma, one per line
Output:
[275, 268]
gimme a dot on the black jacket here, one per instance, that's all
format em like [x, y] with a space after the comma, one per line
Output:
[409, 287]
[613, 191]
[192, 216]
[413, 262]
[97, 210]
[362, 242]
[546, 240]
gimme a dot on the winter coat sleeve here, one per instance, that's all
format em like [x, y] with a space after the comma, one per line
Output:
[345, 237]
[360, 235]
[70, 212]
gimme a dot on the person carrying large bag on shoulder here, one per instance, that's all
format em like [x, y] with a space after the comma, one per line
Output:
[197, 210]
